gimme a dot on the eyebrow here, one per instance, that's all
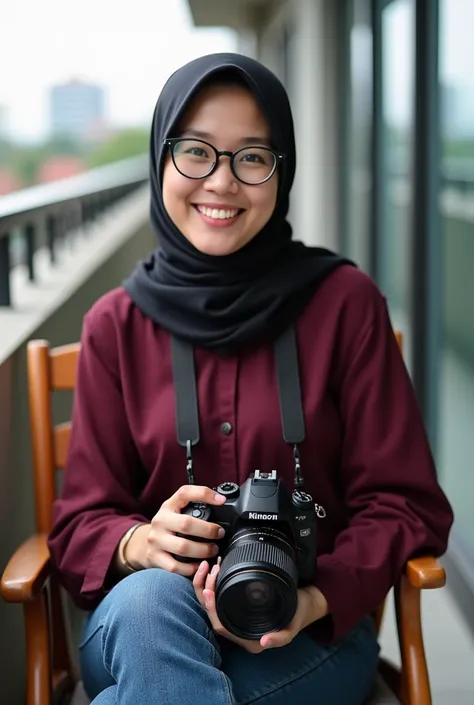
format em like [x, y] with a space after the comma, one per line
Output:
[208, 137]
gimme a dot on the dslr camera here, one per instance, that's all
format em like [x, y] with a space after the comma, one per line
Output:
[269, 550]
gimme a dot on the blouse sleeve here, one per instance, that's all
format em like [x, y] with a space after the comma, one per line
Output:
[396, 508]
[99, 501]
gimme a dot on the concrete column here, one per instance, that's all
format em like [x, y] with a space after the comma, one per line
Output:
[312, 79]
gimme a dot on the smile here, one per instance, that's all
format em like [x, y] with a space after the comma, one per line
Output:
[218, 213]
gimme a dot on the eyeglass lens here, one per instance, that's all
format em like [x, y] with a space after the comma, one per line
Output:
[196, 159]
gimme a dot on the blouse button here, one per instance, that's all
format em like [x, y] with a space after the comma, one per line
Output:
[226, 428]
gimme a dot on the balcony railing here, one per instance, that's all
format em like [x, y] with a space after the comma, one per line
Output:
[45, 215]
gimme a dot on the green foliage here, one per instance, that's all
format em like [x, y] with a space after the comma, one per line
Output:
[25, 160]
[459, 149]
[127, 143]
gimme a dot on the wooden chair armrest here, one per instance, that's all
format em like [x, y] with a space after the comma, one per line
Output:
[27, 571]
[425, 573]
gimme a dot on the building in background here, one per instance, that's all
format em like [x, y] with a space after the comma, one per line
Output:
[77, 110]
[3, 122]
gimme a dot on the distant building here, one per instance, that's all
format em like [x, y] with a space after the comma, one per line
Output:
[9, 182]
[77, 110]
[59, 167]
[3, 121]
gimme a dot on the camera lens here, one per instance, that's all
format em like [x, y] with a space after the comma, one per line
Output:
[256, 589]
[258, 593]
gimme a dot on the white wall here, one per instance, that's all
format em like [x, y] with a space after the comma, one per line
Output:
[311, 83]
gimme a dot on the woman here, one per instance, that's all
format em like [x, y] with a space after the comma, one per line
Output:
[229, 279]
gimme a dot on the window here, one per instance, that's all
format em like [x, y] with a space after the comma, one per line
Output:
[456, 392]
[394, 246]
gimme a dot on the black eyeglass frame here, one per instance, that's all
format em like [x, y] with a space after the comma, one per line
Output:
[171, 142]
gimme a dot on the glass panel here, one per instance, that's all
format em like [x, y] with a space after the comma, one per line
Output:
[359, 186]
[456, 408]
[394, 266]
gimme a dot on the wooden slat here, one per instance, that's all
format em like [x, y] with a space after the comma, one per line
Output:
[61, 435]
[63, 363]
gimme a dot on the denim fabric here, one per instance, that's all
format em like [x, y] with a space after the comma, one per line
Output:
[150, 642]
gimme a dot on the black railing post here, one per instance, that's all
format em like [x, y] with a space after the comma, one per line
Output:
[30, 250]
[5, 298]
[51, 237]
[427, 246]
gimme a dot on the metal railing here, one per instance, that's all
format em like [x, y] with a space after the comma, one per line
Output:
[43, 216]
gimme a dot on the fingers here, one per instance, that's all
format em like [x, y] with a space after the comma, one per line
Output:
[167, 562]
[189, 526]
[193, 493]
[211, 578]
[201, 575]
[200, 580]
[277, 639]
[204, 584]
[181, 546]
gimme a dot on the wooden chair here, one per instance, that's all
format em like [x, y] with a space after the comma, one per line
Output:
[28, 578]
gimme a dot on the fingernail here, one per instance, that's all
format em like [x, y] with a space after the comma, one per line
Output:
[215, 569]
[221, 533]
[267, 643]
[219, 497]
[215, 550]
[201, 567]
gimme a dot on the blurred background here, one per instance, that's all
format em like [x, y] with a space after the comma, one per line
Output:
[383, 99]
[79, 84]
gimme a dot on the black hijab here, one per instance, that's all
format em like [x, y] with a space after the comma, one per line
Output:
[226, 302]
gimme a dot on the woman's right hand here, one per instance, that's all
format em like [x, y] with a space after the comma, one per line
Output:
[152, 545]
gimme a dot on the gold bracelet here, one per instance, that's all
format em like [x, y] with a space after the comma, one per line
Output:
[123, 545]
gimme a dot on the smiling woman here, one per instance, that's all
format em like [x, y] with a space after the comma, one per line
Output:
[225, 287]
[220, 214]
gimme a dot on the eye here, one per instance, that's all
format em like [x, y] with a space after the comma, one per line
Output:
[253, 158]
[196, 152]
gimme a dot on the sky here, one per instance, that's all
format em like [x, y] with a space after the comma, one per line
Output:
[132, 51]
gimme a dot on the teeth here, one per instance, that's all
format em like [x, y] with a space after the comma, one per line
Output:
[217, 213]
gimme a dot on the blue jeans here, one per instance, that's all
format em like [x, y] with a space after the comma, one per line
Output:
[149, 642]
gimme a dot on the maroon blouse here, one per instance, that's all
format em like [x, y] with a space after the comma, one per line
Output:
[366, 459]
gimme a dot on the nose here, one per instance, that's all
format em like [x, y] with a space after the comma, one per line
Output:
[222, 179]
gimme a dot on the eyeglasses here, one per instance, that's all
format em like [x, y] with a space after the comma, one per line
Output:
[197, 159]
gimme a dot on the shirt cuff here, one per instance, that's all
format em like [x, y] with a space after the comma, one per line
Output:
[341, 588]
[93, 585]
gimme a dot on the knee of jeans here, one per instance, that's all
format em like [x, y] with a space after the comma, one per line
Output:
[142, 594]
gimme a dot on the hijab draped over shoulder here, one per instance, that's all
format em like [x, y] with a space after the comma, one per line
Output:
[227, 302]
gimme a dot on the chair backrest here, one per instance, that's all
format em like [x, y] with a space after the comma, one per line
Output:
[49, 370]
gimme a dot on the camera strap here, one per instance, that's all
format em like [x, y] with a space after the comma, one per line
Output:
[289, 389]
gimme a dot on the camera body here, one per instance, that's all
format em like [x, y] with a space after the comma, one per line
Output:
[263, 504]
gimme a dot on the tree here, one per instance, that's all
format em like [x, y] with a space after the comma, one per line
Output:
[127, 143]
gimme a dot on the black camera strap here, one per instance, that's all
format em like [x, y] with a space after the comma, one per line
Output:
[187, 418]
[291, 408]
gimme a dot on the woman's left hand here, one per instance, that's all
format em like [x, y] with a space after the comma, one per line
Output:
[312, 606]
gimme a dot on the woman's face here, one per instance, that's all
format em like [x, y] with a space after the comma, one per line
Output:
[224, 116]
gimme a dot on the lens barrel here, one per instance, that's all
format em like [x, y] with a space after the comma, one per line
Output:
[257, 585]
